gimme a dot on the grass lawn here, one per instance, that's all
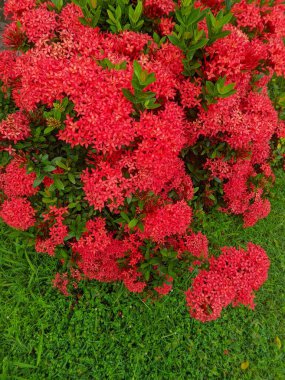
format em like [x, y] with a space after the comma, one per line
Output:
[112, 334]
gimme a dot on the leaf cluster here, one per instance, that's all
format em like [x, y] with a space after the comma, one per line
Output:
[140, 98]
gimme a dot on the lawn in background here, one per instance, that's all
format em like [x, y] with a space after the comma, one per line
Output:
[110, 333]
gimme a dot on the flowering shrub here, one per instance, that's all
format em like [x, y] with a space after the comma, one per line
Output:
[124, 120]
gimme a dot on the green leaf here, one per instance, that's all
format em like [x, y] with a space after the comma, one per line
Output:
[56, 160]
[127, 93]
[96, 17]
[61, 165]
[137, 69]
[58, 4]
[111, 16]
[57, 114]
[141, 204]
[49, 168]
[133, 223]
[150, 79]
[141, 226]
[147, 275]
[198, 45]
[152, 106]
[137, 12]
[210, 87]
[48, 130]
[38, 181]
[71, 178]
[58, 183]
[118, 12]
[175, 41]
[222, 89]
[49, 200]
[93, 3]
[228, 4]
[125, 216]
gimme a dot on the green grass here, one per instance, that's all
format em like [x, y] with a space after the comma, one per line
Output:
[111, 334]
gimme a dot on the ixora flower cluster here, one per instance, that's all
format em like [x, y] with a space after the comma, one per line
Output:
[128, 119]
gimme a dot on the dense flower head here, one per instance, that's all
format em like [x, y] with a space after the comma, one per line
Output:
[206, 300]
[18, 213]
[106, 130]
[16, 182]
[14, 8]
[166, 26]
[277, 55]
[168, 220]
[157, 8]
[197, 244]
[247, 269]
[106, 185]
[98, 252]
[231, 279]
[15, 127]
[167, 64]
[190, 93]
[39, 24]
[248, 15]
[228, 56]
[247, 123]
[273, 19]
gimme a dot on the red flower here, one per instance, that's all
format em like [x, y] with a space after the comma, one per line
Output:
[60, 282]
[231, 279]
[16, 182]
[57, 231]
[18, 213]
[16, 127]
[166, 221]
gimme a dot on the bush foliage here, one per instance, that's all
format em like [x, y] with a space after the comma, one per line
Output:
[123, 122]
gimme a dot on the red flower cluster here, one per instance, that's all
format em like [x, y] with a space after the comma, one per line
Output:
[231, 279]
[166, 221]
[56, 229]
[15, 128]
[99, 253]
[158, 8]
[18, 213]
[15, 182]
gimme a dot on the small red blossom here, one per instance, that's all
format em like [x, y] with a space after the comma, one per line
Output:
[16, 182]
[166, 287]
[18, 213]
[15, 127]
[57, 231]
[61, 282]
[197, 244]
[166, 221]
[158, 8]
[39, 23]
[166, 26]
